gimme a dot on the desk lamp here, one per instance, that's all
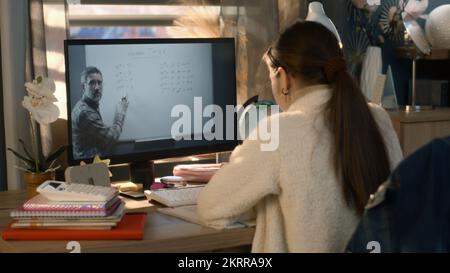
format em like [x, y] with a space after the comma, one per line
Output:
[317, 14]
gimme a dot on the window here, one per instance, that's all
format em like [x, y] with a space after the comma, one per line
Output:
[113, 21]
[108, 19]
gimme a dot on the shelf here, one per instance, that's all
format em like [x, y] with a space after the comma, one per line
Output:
[414, 53]
[437, 114]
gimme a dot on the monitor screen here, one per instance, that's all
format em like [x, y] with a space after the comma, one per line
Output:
[143, 99]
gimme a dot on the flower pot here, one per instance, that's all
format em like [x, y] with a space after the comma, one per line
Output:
[33, 180]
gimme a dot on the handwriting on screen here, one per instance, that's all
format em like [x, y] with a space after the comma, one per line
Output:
[176, 77]
[153, 78]
[124, 78]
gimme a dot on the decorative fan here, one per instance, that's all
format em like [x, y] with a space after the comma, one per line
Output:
[391, 21]
[357, 8]
[353, 11]
[369, 5]
[357, 44]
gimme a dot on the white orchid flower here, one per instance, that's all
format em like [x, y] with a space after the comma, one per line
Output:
[43, 88]
[40, 99]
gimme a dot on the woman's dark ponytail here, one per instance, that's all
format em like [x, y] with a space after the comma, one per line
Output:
[310, 51]
[360, 155]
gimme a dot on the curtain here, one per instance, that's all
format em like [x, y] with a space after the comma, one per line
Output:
[254, 24]
[257, 24]
[14, 24]
[291, 10]
[2, 133]
[24, 47]
[36, 62]
[45, 57]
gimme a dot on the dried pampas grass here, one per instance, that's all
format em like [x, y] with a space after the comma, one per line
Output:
[200, 22]
[204, 21]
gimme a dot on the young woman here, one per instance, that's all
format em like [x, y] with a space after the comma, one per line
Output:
[334, 150]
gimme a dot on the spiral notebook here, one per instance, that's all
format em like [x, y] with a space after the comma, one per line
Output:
[21, 213]
[39, 202]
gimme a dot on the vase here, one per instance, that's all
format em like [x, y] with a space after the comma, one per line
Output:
[371, 68]
[33, 180]
[316, 13]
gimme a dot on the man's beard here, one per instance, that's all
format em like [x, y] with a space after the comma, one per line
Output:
[96, 95]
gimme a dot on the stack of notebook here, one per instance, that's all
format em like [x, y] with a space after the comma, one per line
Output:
[41, 213]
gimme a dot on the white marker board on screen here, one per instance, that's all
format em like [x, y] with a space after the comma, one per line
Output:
[154, 77]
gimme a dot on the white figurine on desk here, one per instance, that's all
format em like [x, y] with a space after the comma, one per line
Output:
[93, 174]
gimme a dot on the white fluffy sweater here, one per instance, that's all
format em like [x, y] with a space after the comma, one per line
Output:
[294, 191]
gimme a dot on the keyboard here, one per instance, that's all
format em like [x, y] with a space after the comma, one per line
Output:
[175, 197]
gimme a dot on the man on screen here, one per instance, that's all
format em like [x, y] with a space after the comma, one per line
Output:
[90, 136]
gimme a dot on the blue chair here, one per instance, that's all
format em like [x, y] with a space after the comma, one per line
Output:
[411, 211]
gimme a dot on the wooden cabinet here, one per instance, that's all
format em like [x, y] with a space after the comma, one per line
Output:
[415, 129]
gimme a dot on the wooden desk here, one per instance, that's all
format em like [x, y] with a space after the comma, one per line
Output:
[163, 233]
[415, 129]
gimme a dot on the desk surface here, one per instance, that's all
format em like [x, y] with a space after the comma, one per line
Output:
[163, 233]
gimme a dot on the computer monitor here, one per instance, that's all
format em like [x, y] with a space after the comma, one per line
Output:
[166, 83]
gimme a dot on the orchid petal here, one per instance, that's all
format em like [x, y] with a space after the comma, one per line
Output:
[46, 113]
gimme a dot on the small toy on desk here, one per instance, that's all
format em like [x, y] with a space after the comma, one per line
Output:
[97, 159]
[97, 173]
[127, 186]
[129, 189]
[91, 174]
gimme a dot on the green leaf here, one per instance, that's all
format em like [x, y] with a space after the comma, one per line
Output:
[25, 150]
[55, 154]
[29, 166]
[51, 164]
[21, 157]
[42, 168]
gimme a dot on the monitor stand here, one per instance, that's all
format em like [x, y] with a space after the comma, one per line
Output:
[142, 172]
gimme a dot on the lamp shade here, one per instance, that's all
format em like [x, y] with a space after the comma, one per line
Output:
[438, 27]
[316, 13]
